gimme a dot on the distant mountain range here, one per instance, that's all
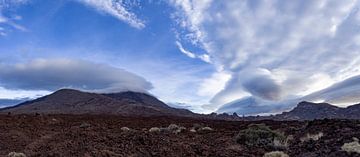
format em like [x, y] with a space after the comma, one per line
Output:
[309, 111]
[69, 101]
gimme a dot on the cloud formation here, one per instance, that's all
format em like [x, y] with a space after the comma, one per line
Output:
[203, 57]
[10, 21]
[118, 9]
[11, 102]
[298, 47]
[343, 93]
[52, 74]
[256, 106]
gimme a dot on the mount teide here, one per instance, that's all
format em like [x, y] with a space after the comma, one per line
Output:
[69, 101]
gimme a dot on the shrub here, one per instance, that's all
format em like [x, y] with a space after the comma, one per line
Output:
[164, 130]
[205, 129]
[125, 129]
[85, 125]
[259, 135]
[179, 130]
[313, 137]
[154, 130]
[197, 126]
[15, 154]
[275, 154]
[173, 127]
[352, 146]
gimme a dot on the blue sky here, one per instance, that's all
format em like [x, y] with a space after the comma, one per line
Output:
[202, 54]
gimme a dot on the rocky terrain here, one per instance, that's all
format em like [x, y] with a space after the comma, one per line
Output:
[106, 135]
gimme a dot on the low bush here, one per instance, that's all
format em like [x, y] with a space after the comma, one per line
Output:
[260, 135]
[125, 129]
[15, 154]
[173, 127]
[85, 125]
[154, 130]
[313, 137]
[352, 146]
[205, 129]
[275, 154]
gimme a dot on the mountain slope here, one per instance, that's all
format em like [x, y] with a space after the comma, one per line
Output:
[68, 101]
[309, 111]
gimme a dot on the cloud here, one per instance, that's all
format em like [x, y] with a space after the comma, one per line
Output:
[11, 102]
[117, 9]
[52, 74]
[256, 106]
[4, 20]
[203, 57]
[214, 84]
[304, 46]
[186, 52]
[342, 93]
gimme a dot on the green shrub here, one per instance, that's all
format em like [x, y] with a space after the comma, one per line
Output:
[260, 135]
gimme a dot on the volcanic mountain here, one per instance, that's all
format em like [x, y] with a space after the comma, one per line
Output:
[69, 101]
[309, 111]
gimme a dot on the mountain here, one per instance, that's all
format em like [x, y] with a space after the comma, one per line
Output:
[309, 111]
[69, 101]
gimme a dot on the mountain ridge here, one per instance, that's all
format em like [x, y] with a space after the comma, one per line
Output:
[310, 111]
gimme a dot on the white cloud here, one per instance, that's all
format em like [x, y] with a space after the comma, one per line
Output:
[53, 74]
[186, 52]
[304, 46]
[2, 18]
[214, 84]
[19, 94]
[203, 57]
[6, 4]
[117, 9]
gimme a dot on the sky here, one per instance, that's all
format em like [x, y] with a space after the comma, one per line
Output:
[244, 56]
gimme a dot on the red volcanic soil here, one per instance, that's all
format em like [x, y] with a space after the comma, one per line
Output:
[90, 135]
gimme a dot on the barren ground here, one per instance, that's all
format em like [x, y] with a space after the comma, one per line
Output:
[61, 135]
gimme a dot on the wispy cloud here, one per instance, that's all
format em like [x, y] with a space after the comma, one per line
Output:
[10, 21]
[203, 57]
[117, 9]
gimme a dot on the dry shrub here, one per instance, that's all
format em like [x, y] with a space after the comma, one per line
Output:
[275, 154]
[15, 154]
[313, 137]
[154, 130]
[352, 146]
